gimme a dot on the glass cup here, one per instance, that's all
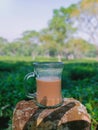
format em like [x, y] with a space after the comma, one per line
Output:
[48, 84]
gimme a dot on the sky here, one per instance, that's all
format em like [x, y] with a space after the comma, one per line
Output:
[17, 16]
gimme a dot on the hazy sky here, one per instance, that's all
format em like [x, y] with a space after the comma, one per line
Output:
[17, 16]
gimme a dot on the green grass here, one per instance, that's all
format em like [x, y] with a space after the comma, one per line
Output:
[79, 80]
[30, 59]
[26, 59]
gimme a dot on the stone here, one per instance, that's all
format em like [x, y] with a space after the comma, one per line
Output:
[71, 115]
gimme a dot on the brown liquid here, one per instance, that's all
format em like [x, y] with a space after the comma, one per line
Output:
[49, 91]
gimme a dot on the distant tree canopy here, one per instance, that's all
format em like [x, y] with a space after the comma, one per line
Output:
[60, 38]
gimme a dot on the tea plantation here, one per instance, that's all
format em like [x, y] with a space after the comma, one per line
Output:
[79, 80]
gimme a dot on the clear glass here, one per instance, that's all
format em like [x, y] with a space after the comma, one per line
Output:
[48, 83]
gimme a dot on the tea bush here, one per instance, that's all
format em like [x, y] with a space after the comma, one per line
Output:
[79, 80]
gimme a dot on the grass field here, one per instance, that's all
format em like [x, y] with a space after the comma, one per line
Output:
[79, 80]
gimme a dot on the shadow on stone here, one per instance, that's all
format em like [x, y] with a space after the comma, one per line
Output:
[76, 125]
[56, 115]
[71, 115]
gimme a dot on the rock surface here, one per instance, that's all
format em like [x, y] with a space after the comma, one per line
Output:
[72, 115]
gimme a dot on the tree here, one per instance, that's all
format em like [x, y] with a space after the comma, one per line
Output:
[48, 43]
[78, 48]
[31, 37]
[61, 29]
[54, 36]
[29, 43]
[82, 18]
[85, 19]
[3, 43]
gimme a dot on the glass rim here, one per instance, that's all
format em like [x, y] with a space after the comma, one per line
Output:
[49, 64]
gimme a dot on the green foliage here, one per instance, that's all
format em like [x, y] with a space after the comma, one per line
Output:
[79, 80]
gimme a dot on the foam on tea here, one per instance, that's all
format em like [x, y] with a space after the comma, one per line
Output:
[49, 91]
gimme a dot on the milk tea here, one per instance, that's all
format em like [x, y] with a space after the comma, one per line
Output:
[49, 91]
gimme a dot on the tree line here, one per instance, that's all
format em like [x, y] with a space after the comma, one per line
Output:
[60, 39]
